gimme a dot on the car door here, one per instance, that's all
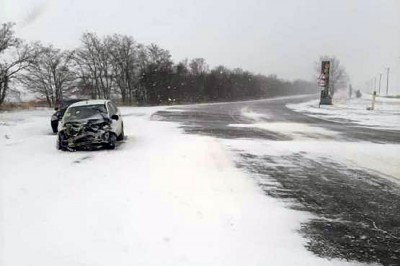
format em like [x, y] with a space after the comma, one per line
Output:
[120, 122]
[116, 125]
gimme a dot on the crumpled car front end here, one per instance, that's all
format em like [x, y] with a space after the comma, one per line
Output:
[90, 134]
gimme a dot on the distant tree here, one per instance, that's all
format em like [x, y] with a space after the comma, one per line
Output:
[338, 76]
[15, 56]
[198, 70]
[244, 84]
[125, 63]
[198, 66]
[93, 60]
[51, 75]
[156, 76]
[180, 82]
[219, 85]
[7, 37]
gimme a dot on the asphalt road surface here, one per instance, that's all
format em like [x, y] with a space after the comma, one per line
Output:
[357, 212]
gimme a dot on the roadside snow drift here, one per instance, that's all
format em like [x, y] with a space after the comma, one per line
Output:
[160, 198]
[385, 116]
[317, 142]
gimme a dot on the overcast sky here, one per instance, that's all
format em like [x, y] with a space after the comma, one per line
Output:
[283, 37]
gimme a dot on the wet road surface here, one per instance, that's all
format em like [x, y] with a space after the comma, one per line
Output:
[357, 211]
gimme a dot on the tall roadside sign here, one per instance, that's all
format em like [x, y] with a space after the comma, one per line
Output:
[323, 82]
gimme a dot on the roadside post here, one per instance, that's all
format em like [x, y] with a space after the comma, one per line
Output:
[373, 102]
[323, 81]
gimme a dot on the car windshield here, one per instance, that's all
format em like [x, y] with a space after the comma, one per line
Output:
[84, 112]
[65, 104]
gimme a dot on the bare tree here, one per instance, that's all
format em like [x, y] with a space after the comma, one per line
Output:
[198, 66]
[95, 68]
[158, 56]
[124, 53]
[7, 37]
[156, 75]
[15, 56]
[51, 76]
[338, 77]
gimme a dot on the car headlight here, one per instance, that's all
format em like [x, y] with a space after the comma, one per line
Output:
[106, 126]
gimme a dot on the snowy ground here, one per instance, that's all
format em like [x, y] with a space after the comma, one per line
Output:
[308, 139]
[346, 174]
[386, 114]
[161, 198]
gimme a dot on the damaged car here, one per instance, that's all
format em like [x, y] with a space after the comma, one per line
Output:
[90, 125]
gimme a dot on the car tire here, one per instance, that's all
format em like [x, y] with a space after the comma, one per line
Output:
[111, 144]
[122, 135]
[54, 126]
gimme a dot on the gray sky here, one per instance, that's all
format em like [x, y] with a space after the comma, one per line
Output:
[283, 37]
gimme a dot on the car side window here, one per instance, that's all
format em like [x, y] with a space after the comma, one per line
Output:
[110, 108]
[114, 109]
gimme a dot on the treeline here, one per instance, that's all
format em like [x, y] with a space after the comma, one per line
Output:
[117, 67]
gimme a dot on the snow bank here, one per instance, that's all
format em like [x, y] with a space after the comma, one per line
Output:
[160, 198]
[386, 114]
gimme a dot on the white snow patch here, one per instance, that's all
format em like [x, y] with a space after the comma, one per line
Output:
[386, 114]
[246, 112]
[295, 130]
[161, 198]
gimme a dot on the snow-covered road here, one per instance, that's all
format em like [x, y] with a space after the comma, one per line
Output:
[161, 198]
[346, 174]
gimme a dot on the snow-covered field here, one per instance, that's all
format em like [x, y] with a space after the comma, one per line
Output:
[386, 114]
[161, 198]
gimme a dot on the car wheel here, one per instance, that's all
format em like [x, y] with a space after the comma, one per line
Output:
[113, 140]
[54, 126]
[122, 135]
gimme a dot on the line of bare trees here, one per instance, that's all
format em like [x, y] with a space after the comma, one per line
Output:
[117, 67]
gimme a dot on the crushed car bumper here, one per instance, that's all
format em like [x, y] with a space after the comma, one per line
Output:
[89, 139]
[85, 136]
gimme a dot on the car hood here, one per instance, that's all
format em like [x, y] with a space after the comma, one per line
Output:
[95, 119]
[77, 128]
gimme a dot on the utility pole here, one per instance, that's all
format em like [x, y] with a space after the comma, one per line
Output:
[380, 78]
[387, 80]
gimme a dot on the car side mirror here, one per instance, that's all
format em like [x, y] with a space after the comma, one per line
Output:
[115, 117]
